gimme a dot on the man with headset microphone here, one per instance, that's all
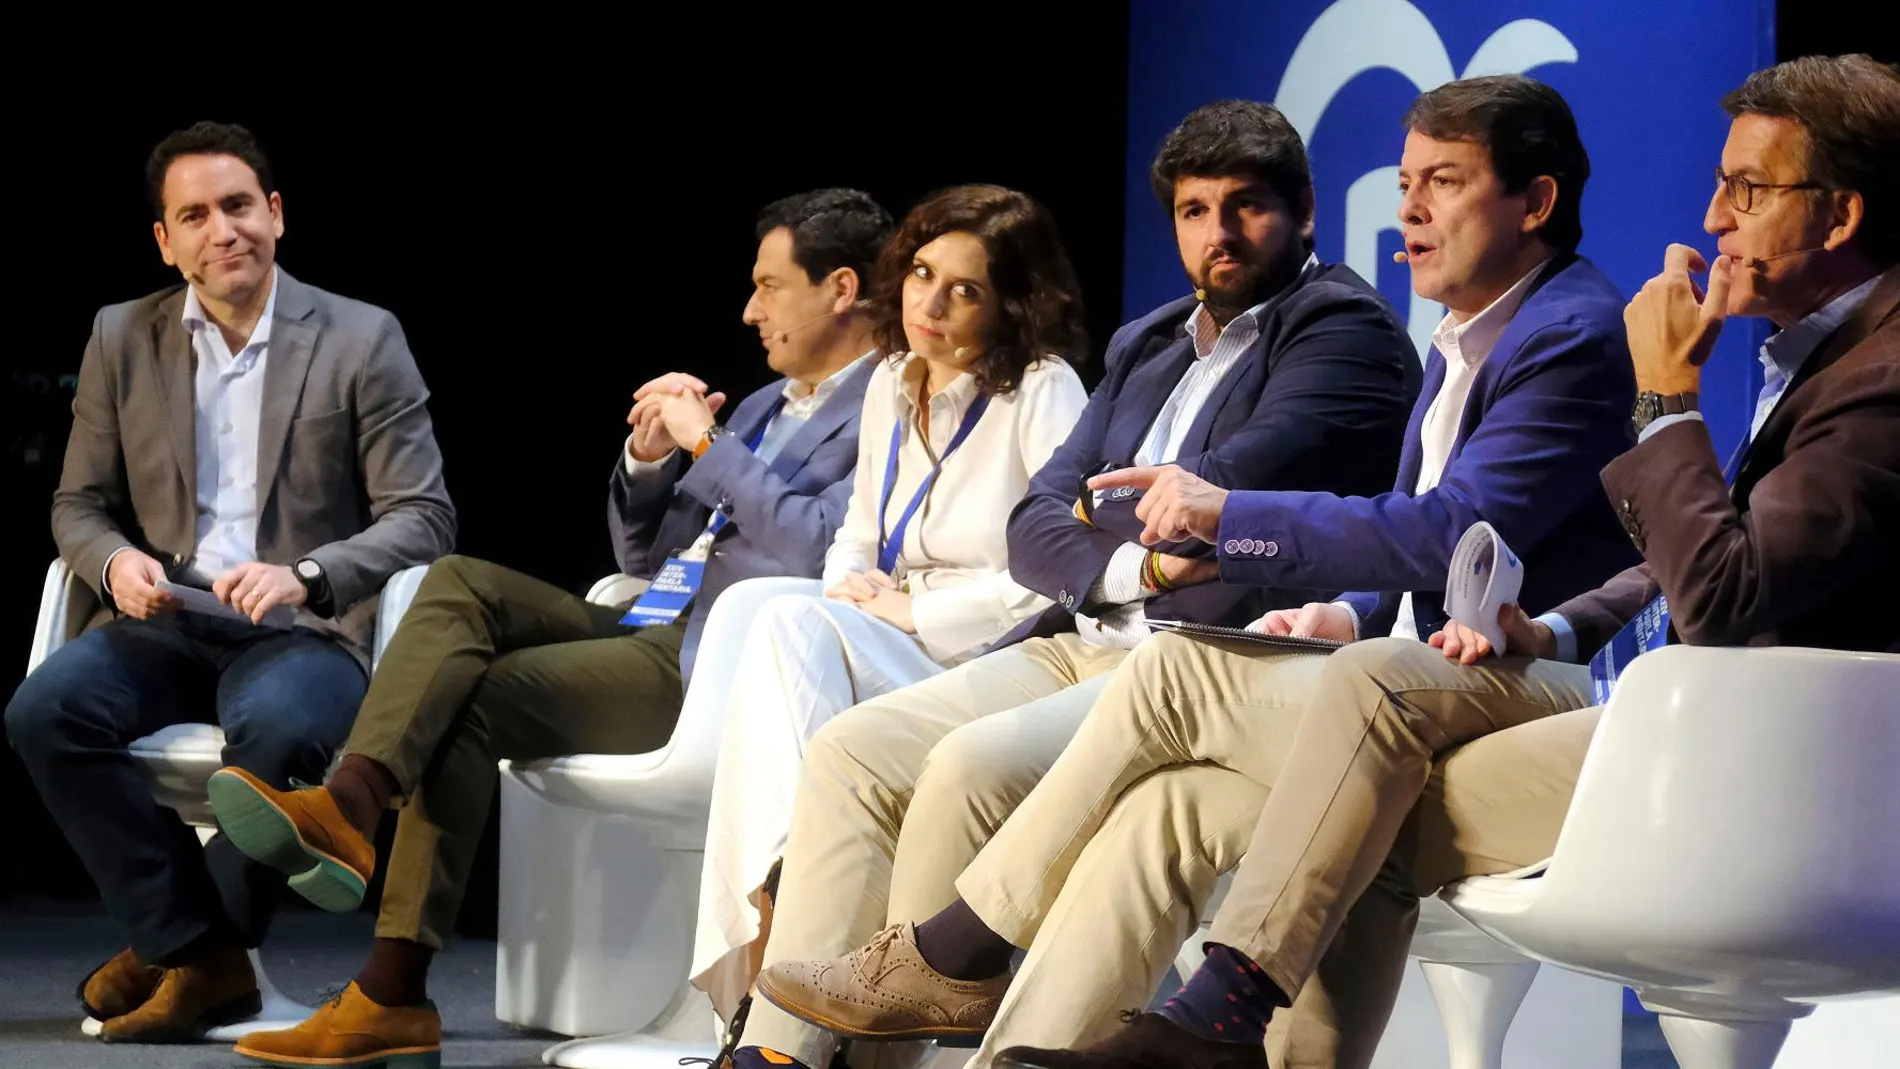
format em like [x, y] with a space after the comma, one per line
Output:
[489, 663]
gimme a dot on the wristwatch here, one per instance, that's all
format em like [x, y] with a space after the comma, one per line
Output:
[1651, 406]
[316, 585]
[713, 433]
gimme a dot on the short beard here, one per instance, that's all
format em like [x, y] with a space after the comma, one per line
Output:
[1259, 282]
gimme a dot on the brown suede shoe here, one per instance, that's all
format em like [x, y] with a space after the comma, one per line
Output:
[300, 833]
[216, 989]
[1145, 1041]
[883, 991]
[119, 986]
[352, 1032]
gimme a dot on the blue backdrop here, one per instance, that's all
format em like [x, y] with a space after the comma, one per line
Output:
[1644, 79]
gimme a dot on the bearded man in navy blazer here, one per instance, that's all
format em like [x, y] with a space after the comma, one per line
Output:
[1103, 868]
[1281, 371]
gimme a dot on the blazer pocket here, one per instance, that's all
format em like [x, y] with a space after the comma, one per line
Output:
[320, 459]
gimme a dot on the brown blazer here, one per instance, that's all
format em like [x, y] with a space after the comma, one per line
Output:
[348, 470]
[1805, 550]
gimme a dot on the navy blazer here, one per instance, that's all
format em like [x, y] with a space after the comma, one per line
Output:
[1317, 403]
[783, 514]
[1548, 409]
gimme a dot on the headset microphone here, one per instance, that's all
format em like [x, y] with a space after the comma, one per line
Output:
[784, 336]
[1754, 263]
[1400, 257]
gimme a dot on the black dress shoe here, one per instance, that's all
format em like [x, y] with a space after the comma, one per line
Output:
[1146, 1041]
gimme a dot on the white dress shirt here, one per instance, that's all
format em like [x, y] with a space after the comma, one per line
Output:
[1464, 347]
[954, 560]
[228, 400]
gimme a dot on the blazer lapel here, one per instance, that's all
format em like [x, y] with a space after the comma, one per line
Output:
[1879, 306]
[1252, 365]
[177, 365]
[1411, 451]
[293, 335]
[1147, 389]
[837, 410]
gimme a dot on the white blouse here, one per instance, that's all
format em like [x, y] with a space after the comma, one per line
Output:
[954, 559]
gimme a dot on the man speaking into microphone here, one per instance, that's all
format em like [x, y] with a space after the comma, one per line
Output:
[490, 663]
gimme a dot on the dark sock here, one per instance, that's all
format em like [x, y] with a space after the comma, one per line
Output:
[397, 973]
[764, 1058]
[362, 788]
[959, 945]
[1228, 998]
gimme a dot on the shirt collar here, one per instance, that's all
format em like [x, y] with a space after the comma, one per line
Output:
[799, 390]
[195, 319]
[911, 370]
[1473, 340]
[1789, 349]
[1250, 319]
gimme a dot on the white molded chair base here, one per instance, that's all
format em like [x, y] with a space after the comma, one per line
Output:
[595, 932]
[1700, 1043]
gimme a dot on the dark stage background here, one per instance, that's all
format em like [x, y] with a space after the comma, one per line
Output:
[555, 224]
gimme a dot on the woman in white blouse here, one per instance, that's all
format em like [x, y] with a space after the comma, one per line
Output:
[977, 304]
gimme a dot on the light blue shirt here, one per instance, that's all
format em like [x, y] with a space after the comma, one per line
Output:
[1782, 357]
[228, 400]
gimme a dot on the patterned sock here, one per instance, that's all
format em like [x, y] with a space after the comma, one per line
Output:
[1228, 998]
[764, 1058]
[959, 945]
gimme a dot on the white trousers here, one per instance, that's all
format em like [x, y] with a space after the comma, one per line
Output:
[805, 659]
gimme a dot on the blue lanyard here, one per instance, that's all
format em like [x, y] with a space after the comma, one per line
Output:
[719, 518]
[888, 546]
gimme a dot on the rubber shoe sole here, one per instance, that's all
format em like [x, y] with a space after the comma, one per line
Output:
[267, 835]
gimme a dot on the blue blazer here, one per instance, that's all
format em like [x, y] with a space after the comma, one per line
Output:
[1318, 403]
[783, 514]
[1548, 409]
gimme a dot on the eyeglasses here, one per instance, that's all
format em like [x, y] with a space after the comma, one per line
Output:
[1741, 191]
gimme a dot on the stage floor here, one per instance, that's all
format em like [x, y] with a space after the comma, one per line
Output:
[46, 947]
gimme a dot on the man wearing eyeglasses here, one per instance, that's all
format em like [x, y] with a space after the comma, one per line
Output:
[1791, 545]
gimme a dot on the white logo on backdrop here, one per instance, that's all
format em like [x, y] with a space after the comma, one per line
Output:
[1355, 36]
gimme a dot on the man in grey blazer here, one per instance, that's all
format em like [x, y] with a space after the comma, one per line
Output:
[490, 663]
[270, 442]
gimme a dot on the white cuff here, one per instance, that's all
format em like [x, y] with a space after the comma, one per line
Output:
[1352, 612]
[1560, 628]
[1663, 421]
[641, 467]
[1120, 582]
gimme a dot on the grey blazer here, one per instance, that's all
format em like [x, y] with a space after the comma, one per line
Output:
[348, 469]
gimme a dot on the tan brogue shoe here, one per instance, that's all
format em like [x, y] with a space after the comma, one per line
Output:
[884, 991]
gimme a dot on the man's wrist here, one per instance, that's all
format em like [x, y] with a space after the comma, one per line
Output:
[707, 438]
[316, 585]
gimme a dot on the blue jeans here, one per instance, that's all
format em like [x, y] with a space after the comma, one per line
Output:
[285, 700]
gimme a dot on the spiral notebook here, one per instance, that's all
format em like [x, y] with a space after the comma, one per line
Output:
[1284, 642]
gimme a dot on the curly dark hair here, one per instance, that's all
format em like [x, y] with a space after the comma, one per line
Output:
[1040, 304]
[203, 139]
[1234, 137]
